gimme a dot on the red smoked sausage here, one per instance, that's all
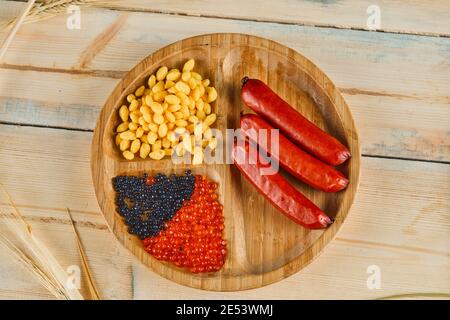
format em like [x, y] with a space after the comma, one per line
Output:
[261, 99]
[279, 191]
[297, 162]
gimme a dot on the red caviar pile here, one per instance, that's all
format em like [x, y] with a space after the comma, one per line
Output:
[193, 238]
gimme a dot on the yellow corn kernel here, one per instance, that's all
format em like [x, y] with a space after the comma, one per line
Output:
[158, 87]
[207, 108]
[134, 105]
[135, 146]
[209, 120]
[158, 118]
[174, 107]
[172, 99]
[117, 139]
[151, 81]
[169, 116]
[122, 127]
[202, 90]
[173, 144]
[196, 76]
[144, 139]
[157, 155]
[189, 65]
[206, 82]
[128, 135]
[200, 114]
[185, 76]
[132, 126]
[195, 94]
[153, 127]
[130, 97]
[178, 115]
[186, 112]
[171, 125]
[159, 96]
[173, 75]
[156, 145]
[145, 109]
[183, 87]
[156, 107]
[193, 119]
[141, 121]
[191, 104]
[190, 128]
[168, 151]
[151, 137]
[148, 100]
[165, 105]
[134, 118]
[165, 143]
[199, 104]
[139, 132]
[148, 117]
[169, 84]
[183, 97]
[123, 113]
[162, 130]
[181, 123]
[128, 155]
[172, 90]
[147, 91]
[192, 83]
[212, 94]
[139, 91]
[124, 145]
[161, 73]
[144, 151]
[145, 127]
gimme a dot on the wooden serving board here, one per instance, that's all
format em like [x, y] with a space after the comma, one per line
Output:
[263, 245]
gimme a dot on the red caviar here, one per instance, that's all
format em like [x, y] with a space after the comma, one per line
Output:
[193, 238]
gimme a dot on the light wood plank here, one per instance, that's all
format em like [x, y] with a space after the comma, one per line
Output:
[400, 110]
[431, 17]
[400, 222]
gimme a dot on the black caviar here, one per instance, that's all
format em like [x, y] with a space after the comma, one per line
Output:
[146, 208]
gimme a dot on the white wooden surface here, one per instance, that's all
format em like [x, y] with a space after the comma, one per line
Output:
[53, 82]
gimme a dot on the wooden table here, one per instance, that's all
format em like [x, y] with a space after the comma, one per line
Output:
[53, 82]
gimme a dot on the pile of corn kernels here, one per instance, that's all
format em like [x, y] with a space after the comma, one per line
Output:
[168, 111]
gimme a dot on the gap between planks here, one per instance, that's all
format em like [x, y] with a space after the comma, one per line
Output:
[90, 130]
[274, 21]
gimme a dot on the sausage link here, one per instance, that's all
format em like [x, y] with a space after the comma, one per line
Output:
[279, 191]
[293, 159]
[261, 99]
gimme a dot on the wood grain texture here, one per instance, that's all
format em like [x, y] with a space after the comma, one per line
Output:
[397, 88]
[263, 246]
[399, 221]
[417, 17]
[373, 70]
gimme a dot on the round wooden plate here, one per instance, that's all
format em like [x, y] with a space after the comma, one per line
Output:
[263, 245]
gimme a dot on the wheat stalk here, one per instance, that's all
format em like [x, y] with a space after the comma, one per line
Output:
[45, 9]
[90, 279]
[35, 256]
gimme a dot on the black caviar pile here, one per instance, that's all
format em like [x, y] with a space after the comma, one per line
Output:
[147, 207]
